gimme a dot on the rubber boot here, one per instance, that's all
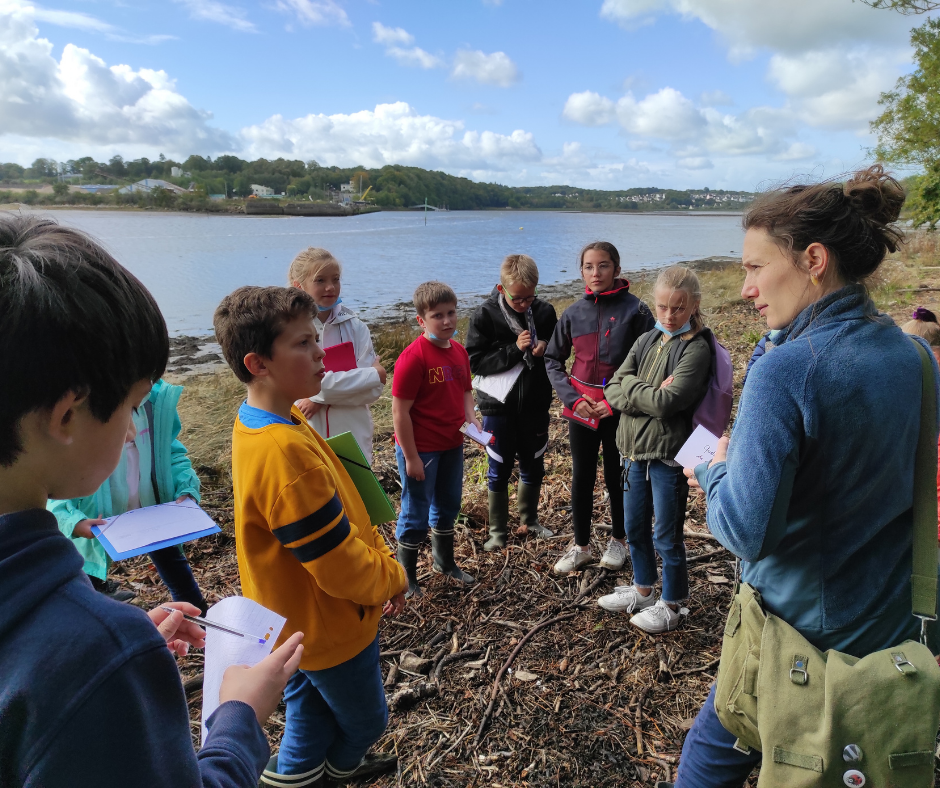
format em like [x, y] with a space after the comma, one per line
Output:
[499, 518]
[527, 502]
[442, 552]
[408, 558]
[271, 778]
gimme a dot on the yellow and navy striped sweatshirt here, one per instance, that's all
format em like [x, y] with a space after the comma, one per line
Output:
[306, 548]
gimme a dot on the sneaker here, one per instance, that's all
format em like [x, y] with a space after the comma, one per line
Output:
[112, 589]
[614, 555]
[627, 599]
[656, 619]
[372, 765]
[573, 560]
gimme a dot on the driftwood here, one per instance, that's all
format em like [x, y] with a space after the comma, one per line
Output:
[411, 695]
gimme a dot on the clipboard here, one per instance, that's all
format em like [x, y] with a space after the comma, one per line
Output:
[116, 555]
[347, 451]
[340, 358]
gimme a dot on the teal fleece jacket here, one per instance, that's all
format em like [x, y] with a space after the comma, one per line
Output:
[174, 473]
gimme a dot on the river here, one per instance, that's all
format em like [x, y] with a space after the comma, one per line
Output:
[190, 261]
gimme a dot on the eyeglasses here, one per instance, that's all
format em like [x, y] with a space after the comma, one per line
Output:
[603, 268]
[521, 300]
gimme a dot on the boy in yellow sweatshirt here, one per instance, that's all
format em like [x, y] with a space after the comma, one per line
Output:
[306, 548]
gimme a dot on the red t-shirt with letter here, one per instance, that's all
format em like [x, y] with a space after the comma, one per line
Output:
[436, 378]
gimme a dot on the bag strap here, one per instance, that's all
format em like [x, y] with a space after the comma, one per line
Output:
[151, 421]
[924, 564]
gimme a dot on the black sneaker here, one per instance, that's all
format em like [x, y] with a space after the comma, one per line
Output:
[373, 765]
[112, 589]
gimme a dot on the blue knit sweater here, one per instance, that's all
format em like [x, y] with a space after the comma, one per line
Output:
[816, 494]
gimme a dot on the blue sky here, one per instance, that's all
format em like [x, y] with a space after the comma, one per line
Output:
[601, 93]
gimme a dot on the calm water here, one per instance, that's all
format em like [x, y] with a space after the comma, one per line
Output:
[190, 262]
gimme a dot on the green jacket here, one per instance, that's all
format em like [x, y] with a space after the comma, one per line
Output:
[174, 473]
[655, 422]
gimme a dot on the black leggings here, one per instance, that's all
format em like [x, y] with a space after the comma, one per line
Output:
[585, 444]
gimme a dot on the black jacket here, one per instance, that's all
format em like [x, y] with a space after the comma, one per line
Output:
[491, 344]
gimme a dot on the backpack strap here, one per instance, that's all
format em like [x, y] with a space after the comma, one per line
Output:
[645, 343]
[151, 421]
[924, 562]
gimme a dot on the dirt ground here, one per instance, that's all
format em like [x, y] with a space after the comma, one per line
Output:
[531, 683]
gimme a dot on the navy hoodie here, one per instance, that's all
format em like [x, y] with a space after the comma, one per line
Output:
[90, 695]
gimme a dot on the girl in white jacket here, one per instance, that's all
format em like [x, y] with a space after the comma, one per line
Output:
[343, 402]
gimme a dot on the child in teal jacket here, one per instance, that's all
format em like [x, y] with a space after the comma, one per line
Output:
[162, 471]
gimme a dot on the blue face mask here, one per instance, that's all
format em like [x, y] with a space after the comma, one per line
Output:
[438, 339]
[337, 302]
[686, 327]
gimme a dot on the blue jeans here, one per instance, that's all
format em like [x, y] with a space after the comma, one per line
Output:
[177, 575]
[524, 436]
[433, 502]
[653, 485]
[709, 759]
[333, 715]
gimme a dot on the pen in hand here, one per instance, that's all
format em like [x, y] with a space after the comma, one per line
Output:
[203, 622]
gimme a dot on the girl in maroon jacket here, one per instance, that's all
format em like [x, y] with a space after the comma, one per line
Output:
[601, 327]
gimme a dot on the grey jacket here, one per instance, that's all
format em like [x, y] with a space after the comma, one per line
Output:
[654, 421]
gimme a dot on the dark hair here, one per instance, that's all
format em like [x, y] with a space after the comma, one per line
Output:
[72, 319]
[852, 219]
[924, 324]
[604, 246]
[251, 318]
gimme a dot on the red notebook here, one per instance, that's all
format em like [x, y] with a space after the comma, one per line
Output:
[340, 358]
[596, 393]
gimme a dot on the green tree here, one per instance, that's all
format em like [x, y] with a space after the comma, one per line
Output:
[60, 188]
[905, 6]
[908, 128]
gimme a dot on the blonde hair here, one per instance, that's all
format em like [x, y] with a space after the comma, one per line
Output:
[519, 269]
[430, 294]
[678, 277]
[925, 326]
[310, 262]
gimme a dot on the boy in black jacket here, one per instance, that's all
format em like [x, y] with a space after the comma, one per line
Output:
[506, 342]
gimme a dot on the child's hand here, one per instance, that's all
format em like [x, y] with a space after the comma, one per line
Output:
[186, 497]
[377, 365]
[721, 455]
[585, 409]
[308, 407]
[414, 469]
[178, 633]
[524, 341]
[666, 382]
[602, 411]
[539, 350]
[83, 527]
[395, 605]
[261, 686]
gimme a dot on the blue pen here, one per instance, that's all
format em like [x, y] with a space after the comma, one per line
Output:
[204, 622]
[604, 382]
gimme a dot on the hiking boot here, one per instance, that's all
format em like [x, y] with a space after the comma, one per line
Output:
[527, 502]
[498, 505]
[614, 555]
[442, 553]
[573, 560]
[662, 784]
[270, 778]
[657, 618]
[112, 589]
[627, 599]
[408, 558]
[372, 765]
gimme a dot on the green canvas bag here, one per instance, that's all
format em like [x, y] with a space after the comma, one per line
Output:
[829, 719]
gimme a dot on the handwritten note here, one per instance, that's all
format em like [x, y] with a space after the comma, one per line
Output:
[141, 527]
[700, 447]
[224, 650]
[481, 437]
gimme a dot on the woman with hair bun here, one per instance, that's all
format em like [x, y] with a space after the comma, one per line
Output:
[815, 490]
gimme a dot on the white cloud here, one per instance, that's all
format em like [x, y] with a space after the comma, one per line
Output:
[390, 134]
[493, 69]
[798, 151]
[77, 20]
[79, 99]
[314, 12]
[589, 109]
[221, 13]
[716, 98]
[696, 163]
[391, 36]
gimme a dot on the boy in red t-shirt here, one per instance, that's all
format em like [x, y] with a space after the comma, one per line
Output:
[431, 399]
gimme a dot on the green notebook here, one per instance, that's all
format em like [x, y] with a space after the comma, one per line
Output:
[373, 496]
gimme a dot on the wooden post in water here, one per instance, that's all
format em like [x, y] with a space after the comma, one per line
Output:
[425, 211]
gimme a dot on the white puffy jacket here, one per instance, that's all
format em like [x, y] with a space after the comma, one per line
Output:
[347, 395]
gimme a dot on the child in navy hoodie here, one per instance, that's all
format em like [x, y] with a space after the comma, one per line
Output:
[91, 694]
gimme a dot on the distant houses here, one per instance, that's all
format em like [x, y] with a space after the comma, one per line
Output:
[149, 184]
[257, 190]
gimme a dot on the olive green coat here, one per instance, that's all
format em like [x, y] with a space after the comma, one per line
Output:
[654, 421]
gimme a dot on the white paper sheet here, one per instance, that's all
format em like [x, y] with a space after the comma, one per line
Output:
[481, 437]
[140, 527]
[699, 448]
[224, 650]
[499, 385]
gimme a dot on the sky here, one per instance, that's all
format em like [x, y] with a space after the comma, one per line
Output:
[609, 94]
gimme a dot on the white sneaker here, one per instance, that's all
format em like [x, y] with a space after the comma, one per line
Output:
[627, 599]
[573, 560]
[614, 555]
[656, 619]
